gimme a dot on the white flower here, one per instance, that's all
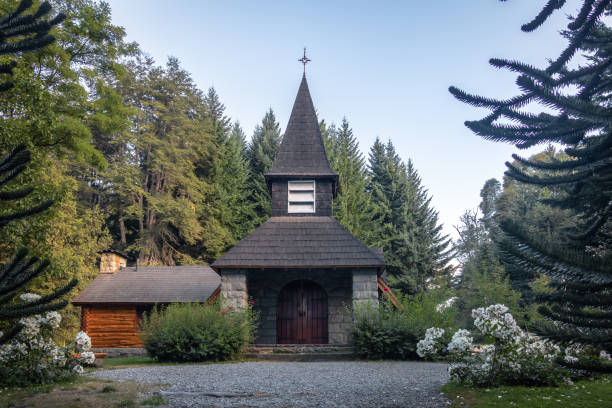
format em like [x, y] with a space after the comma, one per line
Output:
[30, 297]
[446, 304]
[83, 342]
[495, 321]
[53, 319]
[31, 326]
[58, 356]
[605, 355]
[461, 342]
[428, 346]
[87, 357]
[570, 359]
[78, 369]
[573, 352]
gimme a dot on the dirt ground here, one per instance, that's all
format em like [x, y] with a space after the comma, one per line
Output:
[85, 392]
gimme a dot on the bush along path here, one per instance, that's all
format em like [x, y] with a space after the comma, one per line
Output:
[266, 384]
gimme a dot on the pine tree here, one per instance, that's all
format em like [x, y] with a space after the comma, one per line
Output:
[220, 124]
[163, 175]
[352, 207]
[406, 225]
[261, 154]
[436, 247]
[580, 307]
[232, 182]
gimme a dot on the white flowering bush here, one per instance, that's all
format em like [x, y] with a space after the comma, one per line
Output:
[32, 357]
[431, 345]
[446, 304]
[512, 356]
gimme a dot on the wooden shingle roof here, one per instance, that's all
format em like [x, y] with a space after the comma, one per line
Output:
[159, 284]
[300, 242]
[302, 152]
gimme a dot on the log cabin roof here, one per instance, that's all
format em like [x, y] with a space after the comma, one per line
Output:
[302, 152]
[156, 284]
[300, 242]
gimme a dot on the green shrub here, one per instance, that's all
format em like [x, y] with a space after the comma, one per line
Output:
[190, 332]
[385, 332]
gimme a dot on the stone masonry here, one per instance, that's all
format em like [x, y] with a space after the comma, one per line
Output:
[265, 286]
[234, 287]
[365, 286]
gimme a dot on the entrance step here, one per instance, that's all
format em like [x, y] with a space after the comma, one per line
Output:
[299, 352]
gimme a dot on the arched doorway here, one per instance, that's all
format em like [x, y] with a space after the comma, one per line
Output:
[301, 314]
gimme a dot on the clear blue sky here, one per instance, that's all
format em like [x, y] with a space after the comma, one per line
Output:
[386, 66]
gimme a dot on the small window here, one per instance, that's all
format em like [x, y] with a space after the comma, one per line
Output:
[301, 196]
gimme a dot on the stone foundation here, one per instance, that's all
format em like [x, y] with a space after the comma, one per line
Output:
[121, 351]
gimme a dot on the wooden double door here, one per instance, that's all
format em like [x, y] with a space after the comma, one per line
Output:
[301, 314]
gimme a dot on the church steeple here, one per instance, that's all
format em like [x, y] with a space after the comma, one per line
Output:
[302, 152]
[302, 156]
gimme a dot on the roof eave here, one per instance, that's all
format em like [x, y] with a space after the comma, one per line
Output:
[216, 267]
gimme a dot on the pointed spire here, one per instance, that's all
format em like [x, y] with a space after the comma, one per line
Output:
[302, 152]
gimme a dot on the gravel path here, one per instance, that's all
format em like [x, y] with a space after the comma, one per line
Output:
[272, 384]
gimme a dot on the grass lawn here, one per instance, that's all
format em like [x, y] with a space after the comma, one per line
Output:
[81, 392]
[583, 394]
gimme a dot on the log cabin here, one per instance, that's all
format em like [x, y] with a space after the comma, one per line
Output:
[114, 303]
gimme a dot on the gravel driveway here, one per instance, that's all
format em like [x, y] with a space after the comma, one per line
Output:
[292, 384]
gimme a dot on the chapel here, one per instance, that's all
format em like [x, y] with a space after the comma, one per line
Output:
[301, 269]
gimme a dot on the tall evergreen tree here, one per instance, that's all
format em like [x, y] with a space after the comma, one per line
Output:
[22, 269]
[220, 123]
[406, 225]
[435, 246]
[580, 308]
[352, 207]
[163, 174]
[233, 182]
[261, 153]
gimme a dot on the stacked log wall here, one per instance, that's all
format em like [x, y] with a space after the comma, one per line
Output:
[111, 326]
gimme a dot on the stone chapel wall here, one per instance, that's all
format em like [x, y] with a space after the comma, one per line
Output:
[265, 286]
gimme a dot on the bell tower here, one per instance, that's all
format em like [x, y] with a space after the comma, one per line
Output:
[301, 181]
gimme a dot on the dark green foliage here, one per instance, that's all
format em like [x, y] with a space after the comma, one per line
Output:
[22, 269]
[483, 280]
[352, 207]
[380, 334]
[261, 153]
[21, 32]
[406, 226]
[578, 265]
[232, 181]
[386, 332]
[193, 332]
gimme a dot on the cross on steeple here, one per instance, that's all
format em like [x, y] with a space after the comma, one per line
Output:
[304, 60]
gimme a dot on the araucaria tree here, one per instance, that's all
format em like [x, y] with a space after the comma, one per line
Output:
[577, 95]
[21, 32]
[21, 269]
